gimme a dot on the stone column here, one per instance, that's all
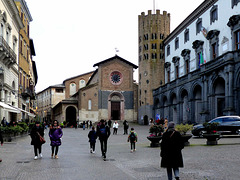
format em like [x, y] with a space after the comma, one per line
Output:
[226, 90]
[230, 91]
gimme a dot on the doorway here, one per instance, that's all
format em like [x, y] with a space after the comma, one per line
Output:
[220, 106]
[71, 116]
[115, 110]
[146, 122]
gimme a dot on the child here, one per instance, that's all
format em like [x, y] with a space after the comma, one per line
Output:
[133, 139]
[92, 135]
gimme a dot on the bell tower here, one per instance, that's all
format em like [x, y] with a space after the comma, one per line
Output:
[152, 29]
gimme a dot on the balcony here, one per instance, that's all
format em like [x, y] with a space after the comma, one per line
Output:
[7, 55]
[27, 93]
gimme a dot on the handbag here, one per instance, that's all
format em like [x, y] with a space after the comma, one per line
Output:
[42, 140]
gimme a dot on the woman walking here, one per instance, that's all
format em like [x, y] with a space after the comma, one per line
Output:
[35, 134]
[171, 154]
[55, 133]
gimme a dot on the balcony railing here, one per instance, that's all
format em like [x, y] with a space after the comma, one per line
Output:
[7, 55]
[27, 93]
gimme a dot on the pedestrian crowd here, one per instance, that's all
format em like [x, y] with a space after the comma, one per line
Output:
[171, 144]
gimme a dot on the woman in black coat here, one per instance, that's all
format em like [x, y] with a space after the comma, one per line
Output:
[171, 154]
[1, 140]
[36, 130]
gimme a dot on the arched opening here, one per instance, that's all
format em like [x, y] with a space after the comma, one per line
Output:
[165, 107]
[219, 93]
[185, 106]
[116, 106]
[145, 119]
[174, 107]
[71, 116]
[197, 104]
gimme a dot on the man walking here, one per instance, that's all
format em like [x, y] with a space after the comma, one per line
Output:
[103, 132]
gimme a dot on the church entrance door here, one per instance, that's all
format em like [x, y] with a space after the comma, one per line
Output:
[115, 111]
[71, 116]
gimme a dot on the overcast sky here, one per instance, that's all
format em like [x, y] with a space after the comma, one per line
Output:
[71, 36]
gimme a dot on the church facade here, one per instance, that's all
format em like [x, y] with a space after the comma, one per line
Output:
[110, 93]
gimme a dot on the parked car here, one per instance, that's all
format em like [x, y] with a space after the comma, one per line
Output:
[226, 125]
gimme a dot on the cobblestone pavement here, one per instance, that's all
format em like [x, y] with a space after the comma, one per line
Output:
[202, 162]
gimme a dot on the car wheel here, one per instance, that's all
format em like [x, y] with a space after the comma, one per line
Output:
[238, 131]
[201, 133]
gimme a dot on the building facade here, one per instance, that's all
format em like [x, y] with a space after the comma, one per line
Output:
[67, 108]
[152, 29]
[202, 65]
[47, 99]
[27, 79]
[10, 25]
[110, 93]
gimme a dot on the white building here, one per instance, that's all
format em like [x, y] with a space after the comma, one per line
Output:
[202, 70]
[10, 25]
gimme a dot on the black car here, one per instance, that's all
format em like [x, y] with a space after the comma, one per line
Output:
[226, 125]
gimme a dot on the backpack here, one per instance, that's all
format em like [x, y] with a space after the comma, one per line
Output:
[132, 136]
[103, 131]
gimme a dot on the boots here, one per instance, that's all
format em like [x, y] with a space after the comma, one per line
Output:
[177, 178]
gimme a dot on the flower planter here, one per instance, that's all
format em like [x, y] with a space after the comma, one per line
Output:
[185, 138]
[212, 139]
[7, 137]
[154, 140]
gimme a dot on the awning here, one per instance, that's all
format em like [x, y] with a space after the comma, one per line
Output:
[8, 108]
[24, 111]
[31, 114]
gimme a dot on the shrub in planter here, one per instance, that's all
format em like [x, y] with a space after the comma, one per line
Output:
[156, 135]
[16, 129]
[211, 128]
[156, 130]
[183, 128]
[212, 135]
[24, 126]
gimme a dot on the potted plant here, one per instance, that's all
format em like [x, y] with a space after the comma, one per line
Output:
[211, 134]
[183, 129]
[7, 133]
[155, 135]
[61, 125]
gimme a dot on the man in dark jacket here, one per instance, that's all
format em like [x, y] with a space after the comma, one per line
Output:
[1, 139]
[171, 154]
[103, 132]
[125, 127]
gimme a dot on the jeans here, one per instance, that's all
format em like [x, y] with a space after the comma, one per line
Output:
[103, 143]
[39, 148]
[56, 150]
[92, 146]
[169, 172]
[133, 145]
[115, 130]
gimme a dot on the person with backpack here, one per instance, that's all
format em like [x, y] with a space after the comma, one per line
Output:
[133, 139]
[92, 136]
[103, 132]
